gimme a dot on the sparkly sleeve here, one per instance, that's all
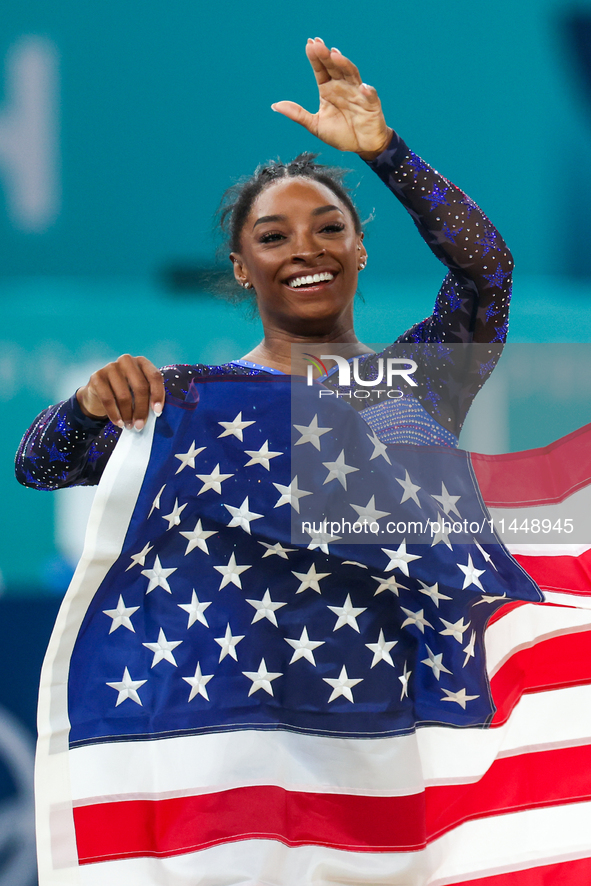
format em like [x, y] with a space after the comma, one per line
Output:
[473, 302]
[63, 447]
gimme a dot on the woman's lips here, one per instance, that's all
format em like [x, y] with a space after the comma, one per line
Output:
[312, 282]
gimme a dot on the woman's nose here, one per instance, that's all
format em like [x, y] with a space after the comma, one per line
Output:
[305, 247]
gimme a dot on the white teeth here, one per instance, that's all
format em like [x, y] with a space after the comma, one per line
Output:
[308, 280]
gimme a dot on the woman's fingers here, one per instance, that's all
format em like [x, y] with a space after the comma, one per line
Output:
[331, 64]
[156, 383]
[297, 113]
[134, 403]
[123, 391]
[320, 71]
[341, 68]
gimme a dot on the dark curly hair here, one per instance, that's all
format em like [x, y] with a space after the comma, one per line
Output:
[237, 201]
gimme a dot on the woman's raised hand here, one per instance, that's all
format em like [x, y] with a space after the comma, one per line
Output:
[123, 391]
[350, 115]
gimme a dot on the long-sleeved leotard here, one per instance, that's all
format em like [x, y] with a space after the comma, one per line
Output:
[63, 447]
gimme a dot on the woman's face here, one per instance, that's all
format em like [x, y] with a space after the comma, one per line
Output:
[298, 228]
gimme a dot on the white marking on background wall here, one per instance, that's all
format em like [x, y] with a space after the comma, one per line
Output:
[29, 139]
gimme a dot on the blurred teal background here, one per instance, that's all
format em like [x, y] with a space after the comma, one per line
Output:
[122, 123]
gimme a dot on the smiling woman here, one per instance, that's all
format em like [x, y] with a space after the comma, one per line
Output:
[187, 509]
[287, 224]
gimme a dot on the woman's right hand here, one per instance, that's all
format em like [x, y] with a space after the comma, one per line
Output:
[123, 391]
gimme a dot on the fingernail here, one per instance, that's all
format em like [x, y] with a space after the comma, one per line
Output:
[273, 108]
[334, 49]
[139, 424]
[157, 409]
[128, 425]
[119, 424]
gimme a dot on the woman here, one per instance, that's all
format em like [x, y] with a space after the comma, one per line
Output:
[282, 686]
[472, 305]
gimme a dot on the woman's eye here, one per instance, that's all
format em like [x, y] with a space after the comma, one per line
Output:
[333, 228]
[271, 237]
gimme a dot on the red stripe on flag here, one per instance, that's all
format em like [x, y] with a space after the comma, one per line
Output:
[566, 873]
[535, 476]
[555, 663]
[570, 575]
[159, 828]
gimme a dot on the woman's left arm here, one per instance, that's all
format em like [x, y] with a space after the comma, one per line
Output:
[472, 305]
[473, 302]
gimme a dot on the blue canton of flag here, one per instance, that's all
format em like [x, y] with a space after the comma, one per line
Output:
[214, 619]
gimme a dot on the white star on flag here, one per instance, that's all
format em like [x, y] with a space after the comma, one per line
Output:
[399, 559]
[140, 558]
[304, 647]
[447, 501]
[432, 591]
[174, 518]
[311, 433]
[310, 579]
[487, 598]
[485, 554]
[229, 643]
[290, 495]
[188, 458]
[261, 456]
[320, 540]
[156, 502]
[231, 572]
[265, 608]
[471, 574]
[379, 448]
[195, 610]
[198, 683]
[435, 663]
[469, 649]
[197, 538]
[381, 650]
[242, 516]
[410, 489]
[127, 688]
[234, 427]
[121, 615]
[459, 697]
[347, 614]
[277, 549]
[417, 619]
[338, 470]
[213, 481]
[404, 680]
[342, 685]
[440, 534]
[158, 576]
[162, 649]
[388, 584]
[261, 679]
[455, 629]
[370, 512]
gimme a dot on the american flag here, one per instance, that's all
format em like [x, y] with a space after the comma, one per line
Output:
[221, 703]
